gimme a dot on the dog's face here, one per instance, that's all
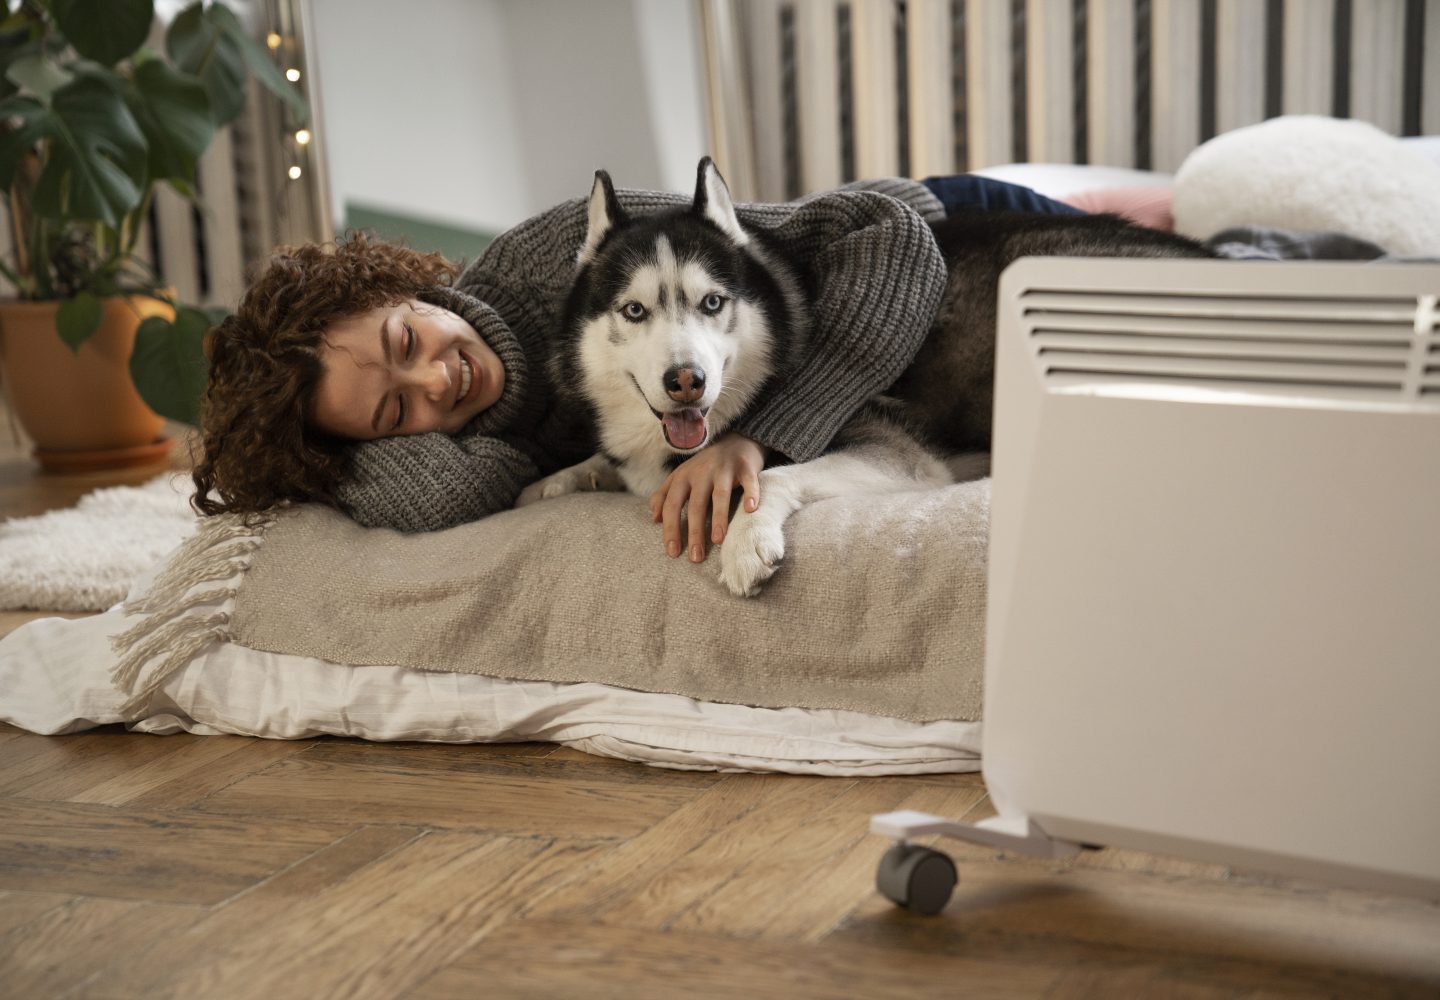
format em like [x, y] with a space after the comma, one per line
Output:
[673, 340]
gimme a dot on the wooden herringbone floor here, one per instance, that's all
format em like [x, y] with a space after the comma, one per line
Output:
[218, 867]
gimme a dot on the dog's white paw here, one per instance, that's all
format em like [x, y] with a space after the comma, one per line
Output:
[753, 548]
[587, 477]
[556, 485]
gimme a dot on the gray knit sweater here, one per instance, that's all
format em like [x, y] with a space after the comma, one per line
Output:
[868, 260]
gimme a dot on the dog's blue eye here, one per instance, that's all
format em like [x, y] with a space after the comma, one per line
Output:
[712, 303]
[633, 311]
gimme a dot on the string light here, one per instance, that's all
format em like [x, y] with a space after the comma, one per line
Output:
[303, 136]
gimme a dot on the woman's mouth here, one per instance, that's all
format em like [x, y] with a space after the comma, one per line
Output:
[467, 381]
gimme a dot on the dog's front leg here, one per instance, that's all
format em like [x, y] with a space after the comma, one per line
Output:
[755, 542]
[594, 474]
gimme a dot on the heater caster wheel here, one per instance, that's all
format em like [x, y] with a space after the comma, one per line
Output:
[916, 878]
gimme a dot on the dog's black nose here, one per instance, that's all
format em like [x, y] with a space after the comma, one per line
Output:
[685, 385]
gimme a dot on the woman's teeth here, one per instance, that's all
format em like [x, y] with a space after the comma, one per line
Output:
[465, 376]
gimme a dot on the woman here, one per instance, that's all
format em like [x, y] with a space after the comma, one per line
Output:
[366, 377]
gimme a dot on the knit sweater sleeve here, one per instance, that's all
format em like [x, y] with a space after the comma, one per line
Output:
[877, 277]
[427, 482]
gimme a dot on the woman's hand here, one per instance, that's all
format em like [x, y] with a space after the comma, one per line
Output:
[703, 484]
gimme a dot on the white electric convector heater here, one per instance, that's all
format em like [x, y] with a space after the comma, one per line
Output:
[1214, 587]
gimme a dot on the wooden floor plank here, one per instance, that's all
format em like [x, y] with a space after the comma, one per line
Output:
[376, 933]
[542, 959]
[71, 944]
[801, 888]
[1090, 983]
[462, 788]
[182, 789]
[790, 875]
[154, 969]
[113, 767]
[145, 855]
[17, 908]
[33, 759]
[640, 865]
[783, 858]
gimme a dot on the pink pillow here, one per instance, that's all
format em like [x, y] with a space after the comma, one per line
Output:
[1147, 206]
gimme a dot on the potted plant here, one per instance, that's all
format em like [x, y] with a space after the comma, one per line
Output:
[92, 122]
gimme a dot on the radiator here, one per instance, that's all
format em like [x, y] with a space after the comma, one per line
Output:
[808, 94]
[1210, 624]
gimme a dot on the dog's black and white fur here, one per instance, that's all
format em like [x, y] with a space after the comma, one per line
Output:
[678, 319]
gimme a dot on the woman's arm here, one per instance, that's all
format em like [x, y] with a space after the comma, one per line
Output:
[877, 280]
[427, 482]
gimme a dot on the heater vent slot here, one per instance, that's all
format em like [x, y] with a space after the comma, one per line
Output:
[1381, 348]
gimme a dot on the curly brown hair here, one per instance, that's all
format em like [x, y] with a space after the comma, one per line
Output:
[259, 447]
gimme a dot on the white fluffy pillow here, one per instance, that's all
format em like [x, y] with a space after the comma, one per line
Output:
[1311, 173]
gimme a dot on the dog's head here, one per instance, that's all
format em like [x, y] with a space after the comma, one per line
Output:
[672, 319]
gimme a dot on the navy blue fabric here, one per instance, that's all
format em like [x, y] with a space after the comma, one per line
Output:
[962, 191]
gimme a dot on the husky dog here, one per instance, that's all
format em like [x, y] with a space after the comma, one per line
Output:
[672, 325]
[677, 320]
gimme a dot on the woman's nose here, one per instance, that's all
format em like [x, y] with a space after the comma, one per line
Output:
[432, 379]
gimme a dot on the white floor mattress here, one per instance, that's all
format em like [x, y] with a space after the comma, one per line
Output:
[54, 678]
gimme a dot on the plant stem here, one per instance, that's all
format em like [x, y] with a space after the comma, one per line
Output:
[131, 232]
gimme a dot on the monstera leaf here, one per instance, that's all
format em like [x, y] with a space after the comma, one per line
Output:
[174, 113]
[211, 43]
[37, 74]
[97, 158]
[198, 46]
[106, 32]
[168, 363]
[77, 319]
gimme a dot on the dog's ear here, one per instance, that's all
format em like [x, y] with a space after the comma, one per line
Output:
[712, 201]
[605, 215]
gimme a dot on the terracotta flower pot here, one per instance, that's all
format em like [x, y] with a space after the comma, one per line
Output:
[80, 407]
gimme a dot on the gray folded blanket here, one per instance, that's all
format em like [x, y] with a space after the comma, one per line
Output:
[880, 607]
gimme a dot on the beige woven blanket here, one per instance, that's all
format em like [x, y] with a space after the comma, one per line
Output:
[879, 607]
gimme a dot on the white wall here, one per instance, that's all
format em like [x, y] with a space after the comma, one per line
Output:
[674, 63]
[479, 113]
[417, 109]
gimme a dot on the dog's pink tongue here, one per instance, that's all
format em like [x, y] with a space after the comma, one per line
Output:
[685, 430]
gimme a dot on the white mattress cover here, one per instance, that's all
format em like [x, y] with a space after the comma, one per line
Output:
[54, 678]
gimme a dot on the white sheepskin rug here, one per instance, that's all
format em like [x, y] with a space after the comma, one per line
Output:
[1311, 173]
[85, 558]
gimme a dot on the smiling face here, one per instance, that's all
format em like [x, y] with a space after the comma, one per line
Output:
[672, 319]
[405, 368]
[669, 343]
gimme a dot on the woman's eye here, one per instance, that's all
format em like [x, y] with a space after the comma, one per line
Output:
[399, 412]
[712, 303]
[633, 311]
[409, 340]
